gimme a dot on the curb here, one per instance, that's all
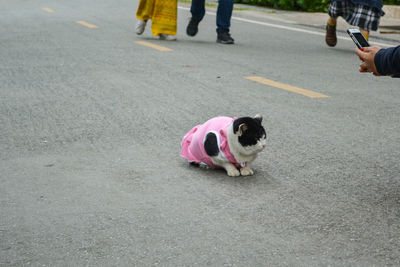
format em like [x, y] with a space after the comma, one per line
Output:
[391, 12]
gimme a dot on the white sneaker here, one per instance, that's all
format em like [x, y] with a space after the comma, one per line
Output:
[167, 37]
[140, 26]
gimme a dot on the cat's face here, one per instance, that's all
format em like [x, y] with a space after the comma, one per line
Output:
[251, 135]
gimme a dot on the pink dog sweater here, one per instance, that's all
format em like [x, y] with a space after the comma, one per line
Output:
[193, 142]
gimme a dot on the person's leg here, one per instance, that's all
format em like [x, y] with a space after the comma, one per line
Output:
[164, 19]
[145, 10]
[365, 33]
[364, 17]
[335, 10]
[224, 14]
[332, 21]
[198, 11]
[143, 14]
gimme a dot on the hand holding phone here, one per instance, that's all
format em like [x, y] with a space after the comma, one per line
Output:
[367, 57]
[358, 38]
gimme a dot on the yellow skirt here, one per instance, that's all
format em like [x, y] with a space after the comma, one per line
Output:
[163, 15]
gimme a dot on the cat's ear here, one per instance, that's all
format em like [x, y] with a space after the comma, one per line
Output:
[242, 128]
[258, 117]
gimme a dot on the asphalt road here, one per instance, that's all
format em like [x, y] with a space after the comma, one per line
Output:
[91, 123]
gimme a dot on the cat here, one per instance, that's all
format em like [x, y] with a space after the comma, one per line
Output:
[224, 142]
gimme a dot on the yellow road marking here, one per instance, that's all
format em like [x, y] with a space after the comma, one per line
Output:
[286, 87]
[48, 10]
[84, 23]
[158, 47]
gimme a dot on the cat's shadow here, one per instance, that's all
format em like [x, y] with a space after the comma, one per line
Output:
[260, 178]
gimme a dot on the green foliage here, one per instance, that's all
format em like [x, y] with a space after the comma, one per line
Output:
[300, 5]
[303, 5]
[391, 2]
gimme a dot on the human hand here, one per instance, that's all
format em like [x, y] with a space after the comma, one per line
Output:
[367, 56]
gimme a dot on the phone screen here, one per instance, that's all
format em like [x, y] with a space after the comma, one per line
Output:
[360, 38]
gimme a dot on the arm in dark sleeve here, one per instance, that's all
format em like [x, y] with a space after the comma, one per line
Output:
[387, 61]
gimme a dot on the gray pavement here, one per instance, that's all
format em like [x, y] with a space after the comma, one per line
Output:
[91, 124]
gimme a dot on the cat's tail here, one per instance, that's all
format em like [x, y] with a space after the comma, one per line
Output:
[199, 165]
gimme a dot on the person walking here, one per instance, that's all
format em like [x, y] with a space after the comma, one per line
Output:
[224, 14]
[163, 16]
[364, 14]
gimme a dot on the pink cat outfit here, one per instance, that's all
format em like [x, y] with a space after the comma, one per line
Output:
[193, 142]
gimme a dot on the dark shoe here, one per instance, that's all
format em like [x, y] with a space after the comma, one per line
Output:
[330, 37]
[224, 37]
[193, 26]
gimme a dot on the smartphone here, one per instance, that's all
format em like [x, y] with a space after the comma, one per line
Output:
[358, 38]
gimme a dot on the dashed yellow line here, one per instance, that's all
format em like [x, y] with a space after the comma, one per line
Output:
[286, 87]
[154, 46]
[48, 10]
[84, 23]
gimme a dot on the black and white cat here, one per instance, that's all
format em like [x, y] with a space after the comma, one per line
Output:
[230, 143]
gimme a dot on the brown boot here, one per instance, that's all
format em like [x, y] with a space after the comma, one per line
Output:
[330, 37]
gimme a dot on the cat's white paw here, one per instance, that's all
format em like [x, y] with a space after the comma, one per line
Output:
[246, 171]
[233, 172]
